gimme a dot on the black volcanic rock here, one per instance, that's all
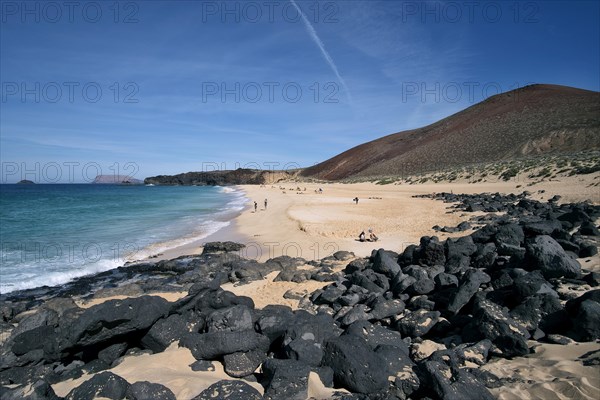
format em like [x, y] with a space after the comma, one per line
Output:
[229, 390]
[385, 264]
[355, 365]
[115, 318]
[545, 254]
[490, 321]
[104, 384]
[144, 390]
[469, 285]
[417, 323]
[285, 379]
[38, 390]
[167, 330]
[444, 380]
[210, 346]
[241, 364]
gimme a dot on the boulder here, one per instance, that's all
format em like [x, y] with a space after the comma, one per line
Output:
[509, 234]
[431, 251]
[376, 335]
[357, 313]
[476, 353]
[490, 321]
[343, 255]
[241, 364]
[542, 310]
[470, 284]
[210, 346]
[38, 390]
[305, 349]
[330, 294]
[113, 318]
[399, 368]
[530, 284]
[443, 380]
[587, 322]
[167, 330]
[370, 280]
[221, 247]
[274, 320]
[144, 390]
[104, 384]
[229, 390]
[382, 308]
[421, 286]
[444, 281]
[588, 228]
[355, 365]
[111, 353]
[285, 379]
[545, 254]
[236, 318]
[417, 323]
[383, 263]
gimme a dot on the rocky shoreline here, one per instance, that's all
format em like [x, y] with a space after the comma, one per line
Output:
[416, 324]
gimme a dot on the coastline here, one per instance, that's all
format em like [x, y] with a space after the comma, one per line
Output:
[313, 226]
[307, 222]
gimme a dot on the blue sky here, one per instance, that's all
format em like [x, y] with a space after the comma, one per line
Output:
[162, 87]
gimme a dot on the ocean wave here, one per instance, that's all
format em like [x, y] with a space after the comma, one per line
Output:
[207, 228]
[228, 189]
[59, 277]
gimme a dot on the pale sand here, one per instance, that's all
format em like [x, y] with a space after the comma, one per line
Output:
[267, 292]
[314, 226]
[171, 368]
[552, 372]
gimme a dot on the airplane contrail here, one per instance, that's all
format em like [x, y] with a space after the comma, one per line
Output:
[313, 34]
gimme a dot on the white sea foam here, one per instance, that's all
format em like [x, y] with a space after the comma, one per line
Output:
[207, 229]
[30, 281]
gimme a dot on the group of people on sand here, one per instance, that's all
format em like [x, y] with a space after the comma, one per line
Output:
[256, 205]
[362, 237]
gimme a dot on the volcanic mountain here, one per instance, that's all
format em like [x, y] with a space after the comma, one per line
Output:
[530, 121]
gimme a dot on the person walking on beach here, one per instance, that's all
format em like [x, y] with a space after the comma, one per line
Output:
[255, 206]
[265, 204]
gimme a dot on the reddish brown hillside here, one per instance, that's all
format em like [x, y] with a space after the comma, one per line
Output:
[537, 119]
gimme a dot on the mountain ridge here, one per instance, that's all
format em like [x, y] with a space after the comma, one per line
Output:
[533, 120]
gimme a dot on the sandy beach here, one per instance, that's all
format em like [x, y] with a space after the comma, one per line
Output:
[313, 224]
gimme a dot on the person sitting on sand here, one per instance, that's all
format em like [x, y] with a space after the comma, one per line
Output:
[372, 236]
[361, 236]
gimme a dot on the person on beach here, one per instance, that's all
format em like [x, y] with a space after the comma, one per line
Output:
[255, 206]
[361, 237]
[372, 236]
[355, 200]
[265, 204]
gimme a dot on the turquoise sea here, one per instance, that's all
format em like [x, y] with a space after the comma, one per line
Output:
[51, 234]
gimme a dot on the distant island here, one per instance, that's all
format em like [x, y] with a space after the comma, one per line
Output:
[25, 182]
[116, 179]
